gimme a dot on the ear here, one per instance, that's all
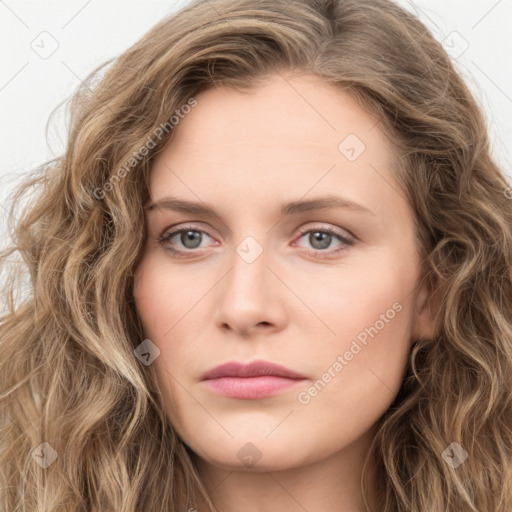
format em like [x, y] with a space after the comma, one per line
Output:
[425, 322]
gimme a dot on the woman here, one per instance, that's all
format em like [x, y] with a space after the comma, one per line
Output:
[272, 271]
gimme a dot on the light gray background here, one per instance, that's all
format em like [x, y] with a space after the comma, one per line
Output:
[84, 33]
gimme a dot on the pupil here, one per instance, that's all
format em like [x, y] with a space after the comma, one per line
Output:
[190, 235]
[324, 239]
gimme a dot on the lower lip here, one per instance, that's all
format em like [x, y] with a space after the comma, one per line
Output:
[250, 387]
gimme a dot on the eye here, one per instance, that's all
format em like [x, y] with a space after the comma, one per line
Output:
[321, 239]
[190, 238]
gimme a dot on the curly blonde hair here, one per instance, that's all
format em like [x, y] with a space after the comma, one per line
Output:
[68, 374]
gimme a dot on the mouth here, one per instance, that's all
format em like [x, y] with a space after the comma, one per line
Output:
[258, 379]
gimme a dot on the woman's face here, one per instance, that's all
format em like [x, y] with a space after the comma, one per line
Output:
[262, 272]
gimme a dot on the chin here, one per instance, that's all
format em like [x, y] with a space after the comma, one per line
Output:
[256, 456]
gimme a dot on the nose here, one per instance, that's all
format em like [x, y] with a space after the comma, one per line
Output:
[249, 301]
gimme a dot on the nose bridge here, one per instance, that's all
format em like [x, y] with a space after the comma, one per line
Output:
[246, 294]
[247, 279]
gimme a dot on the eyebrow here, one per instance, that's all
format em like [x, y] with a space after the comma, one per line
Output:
[291, 208]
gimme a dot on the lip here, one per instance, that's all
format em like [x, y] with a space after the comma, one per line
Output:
[257, 379]
[253, 369]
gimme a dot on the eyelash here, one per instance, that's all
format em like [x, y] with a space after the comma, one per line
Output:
[165, 237]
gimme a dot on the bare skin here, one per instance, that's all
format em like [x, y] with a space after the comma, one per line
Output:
[299, 303]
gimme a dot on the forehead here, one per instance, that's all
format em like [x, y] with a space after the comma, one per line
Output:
[287, 113]
[284, 138]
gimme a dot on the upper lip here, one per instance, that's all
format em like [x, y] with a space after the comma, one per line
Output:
[253, 369]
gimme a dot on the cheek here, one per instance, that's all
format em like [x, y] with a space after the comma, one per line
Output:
[159, 299]
[159, 311]
[167, 306]
[348, 301]
[361, 365]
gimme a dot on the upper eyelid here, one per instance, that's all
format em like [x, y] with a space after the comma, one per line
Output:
[177, 229]
[332, 223]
